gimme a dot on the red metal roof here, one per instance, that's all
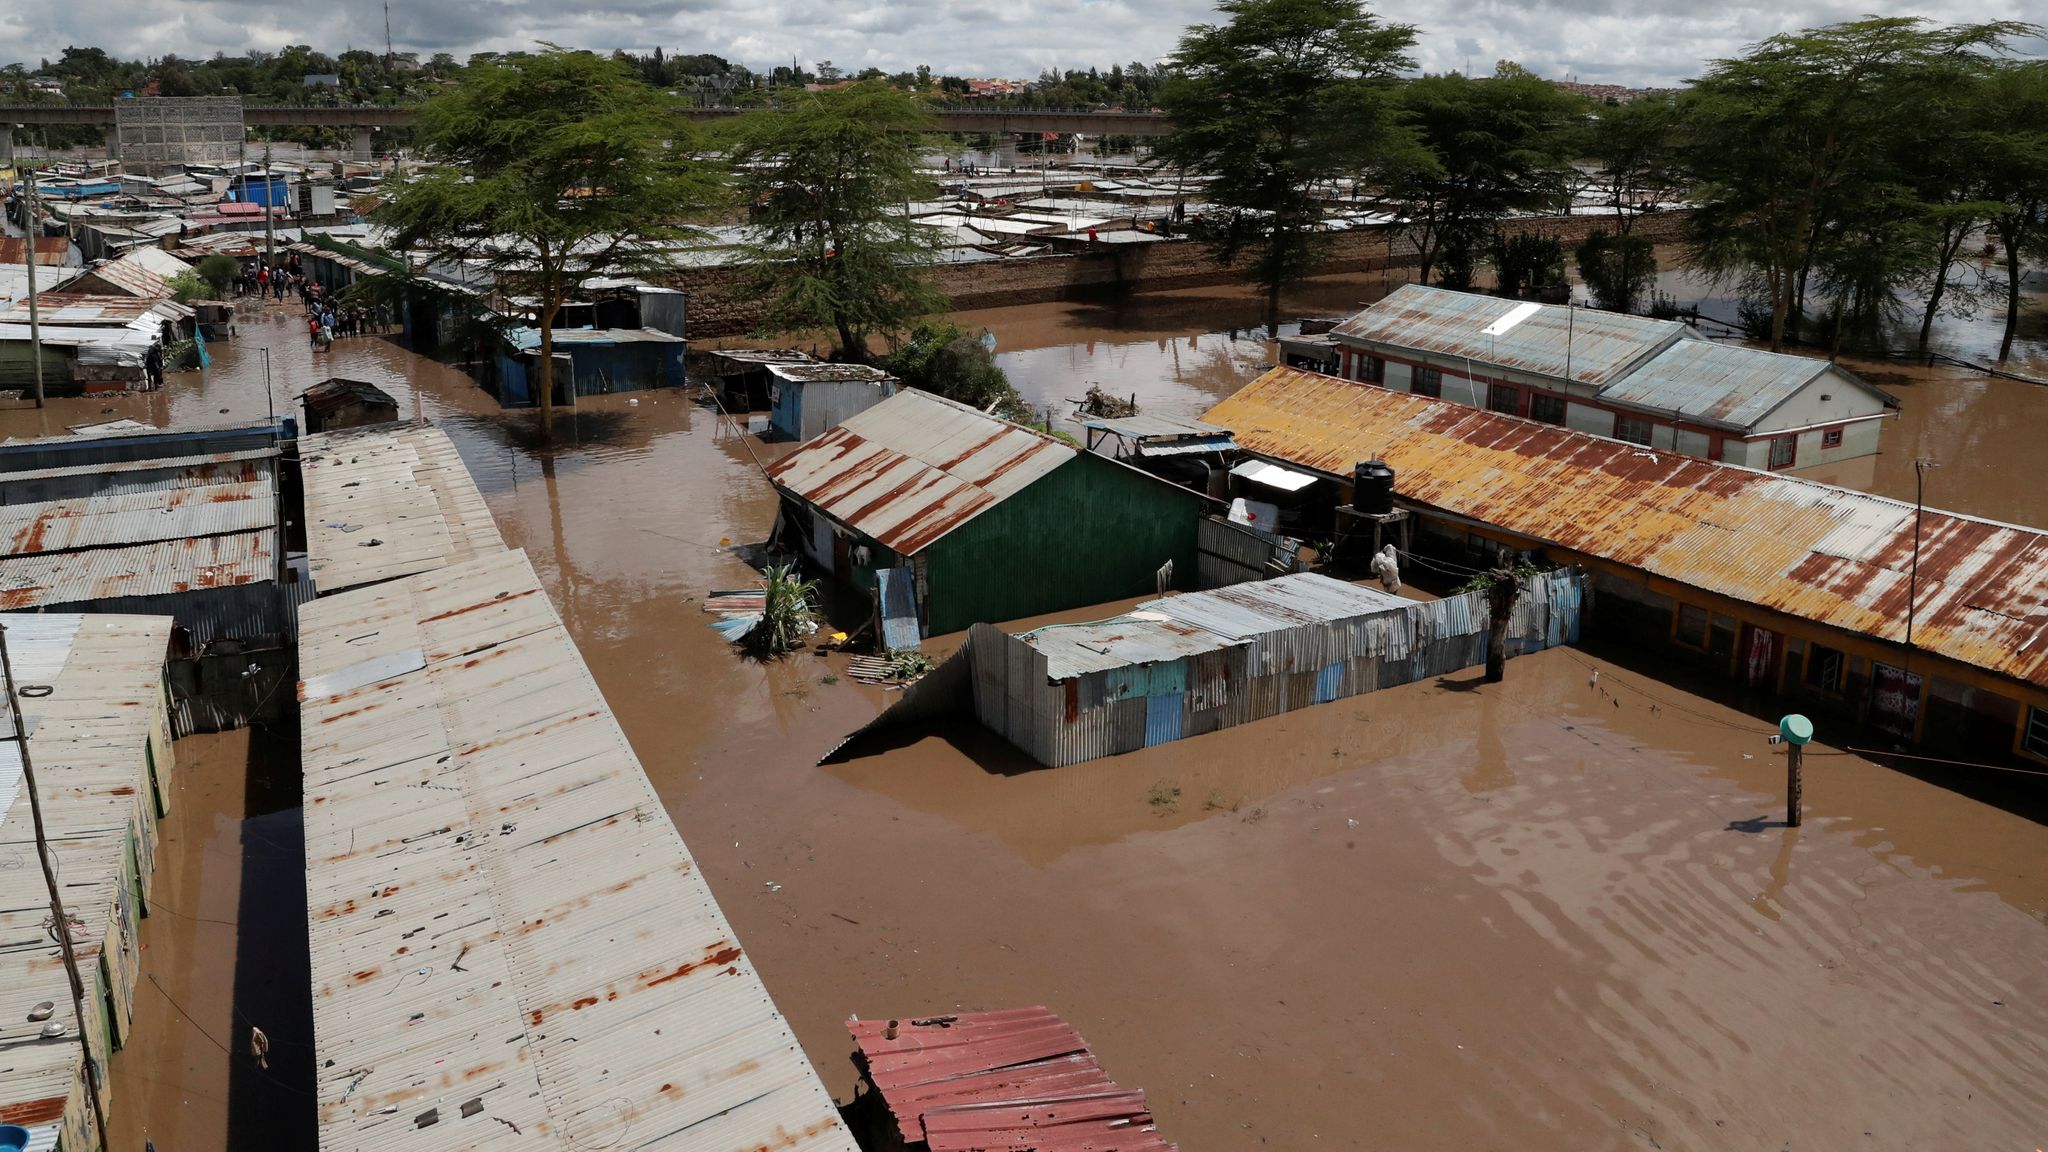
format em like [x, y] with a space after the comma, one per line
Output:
[1001, 1082]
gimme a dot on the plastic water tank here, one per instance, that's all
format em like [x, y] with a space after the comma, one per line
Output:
[13, 1138]
[1373, 487]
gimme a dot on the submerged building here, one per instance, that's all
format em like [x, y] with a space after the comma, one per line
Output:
[1930, 626]
[1649, 382]
[954, 517]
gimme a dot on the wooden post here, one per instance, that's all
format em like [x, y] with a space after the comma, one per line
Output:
[1793, 785]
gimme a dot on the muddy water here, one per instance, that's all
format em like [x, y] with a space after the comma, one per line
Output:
[1541, 914]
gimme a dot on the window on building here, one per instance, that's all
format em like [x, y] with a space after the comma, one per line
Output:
[2034, 739]
[1549, 409]
[1691, 629]
[1832, 438]
[1784, 450]
[1824, 669]
[1373, 370]
[1634, 429]
[1502, 398]
[1429, 382]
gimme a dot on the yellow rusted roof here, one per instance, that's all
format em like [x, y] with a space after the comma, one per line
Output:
[1820, 553]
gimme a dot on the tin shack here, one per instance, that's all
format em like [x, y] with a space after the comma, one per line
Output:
[979, 518]
[806, 401]
[1185, 665]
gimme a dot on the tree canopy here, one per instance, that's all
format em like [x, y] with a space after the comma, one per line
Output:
[825, 177]
[548, 172]
[1280, 99]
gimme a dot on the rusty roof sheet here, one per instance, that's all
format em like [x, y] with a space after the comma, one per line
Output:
[83, 310]
[1597, 347]
[1812, 551]
[50, 578]
[1722, 384]
[119, 519]
[1014, 1079]
[389, 500]
[916, 466]
[127, 275]
[511, 946]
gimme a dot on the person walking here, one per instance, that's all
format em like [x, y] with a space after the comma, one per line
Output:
[262, 281]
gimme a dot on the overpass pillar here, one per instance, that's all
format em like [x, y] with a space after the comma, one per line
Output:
[7, 147]
[364, 146]
[113, 142]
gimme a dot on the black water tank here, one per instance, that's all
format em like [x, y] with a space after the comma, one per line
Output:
[1372, 487]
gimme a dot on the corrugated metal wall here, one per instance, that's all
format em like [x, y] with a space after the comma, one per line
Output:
[1123, 709]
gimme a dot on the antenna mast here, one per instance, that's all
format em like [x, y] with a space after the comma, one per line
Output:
[387, 35]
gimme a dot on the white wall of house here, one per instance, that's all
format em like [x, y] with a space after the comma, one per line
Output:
[1587, 418]
[1859, 439]
[1826, 399]
[1748, 453]
[1399, 377]
[1464, 391]
[1693, 443]
[1661, 437]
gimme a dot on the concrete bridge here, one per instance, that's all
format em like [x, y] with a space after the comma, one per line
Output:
[365, 119]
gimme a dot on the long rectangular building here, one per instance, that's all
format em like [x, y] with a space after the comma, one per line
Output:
[511, 945]
[386, 501]
[91, 689]
[1824, 594]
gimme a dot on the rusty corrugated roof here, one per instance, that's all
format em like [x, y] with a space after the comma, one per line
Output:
[916, 466]
[1015, 1079]
[1820, 553]
[511, 946]
[1597, 347]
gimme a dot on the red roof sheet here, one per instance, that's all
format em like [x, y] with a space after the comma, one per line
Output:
[1001, 1082]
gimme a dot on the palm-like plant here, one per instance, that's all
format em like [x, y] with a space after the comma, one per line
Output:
[785, 613]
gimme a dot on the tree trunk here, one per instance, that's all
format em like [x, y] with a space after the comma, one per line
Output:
[1780, 304]
[2012, 296]
[850, 349]
[1945, 255]
[1500, 602]
[545, 385]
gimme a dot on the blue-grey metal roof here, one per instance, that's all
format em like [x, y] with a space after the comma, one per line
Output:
[1180, 626]
[1580, 344]
[1723, 384]
[1142, 425]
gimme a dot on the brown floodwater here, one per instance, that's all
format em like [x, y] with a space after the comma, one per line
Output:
[1545, 914]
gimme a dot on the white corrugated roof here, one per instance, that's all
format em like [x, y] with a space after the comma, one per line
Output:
[389, 501]
[91, 736]
[511, 946]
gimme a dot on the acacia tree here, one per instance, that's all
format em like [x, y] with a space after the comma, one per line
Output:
[1493, 146]
[2015, 132]
[825, 176]
[544, 170]
[1793, 157]
[1286, 95]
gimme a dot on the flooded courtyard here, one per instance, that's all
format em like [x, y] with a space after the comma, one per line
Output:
[1558, 913]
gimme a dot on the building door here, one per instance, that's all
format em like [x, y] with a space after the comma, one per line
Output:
[1760, 657]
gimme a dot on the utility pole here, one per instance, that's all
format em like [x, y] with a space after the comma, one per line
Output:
[269, 212]
[1920, 468]
[1795, 730]
[35, 320]
[388, 57]
[58, 916]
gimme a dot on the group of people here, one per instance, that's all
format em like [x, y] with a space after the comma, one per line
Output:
[325, 320]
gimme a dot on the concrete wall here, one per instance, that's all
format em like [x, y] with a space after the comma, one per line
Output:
[1399, 377]
[1693, 443]
[1828, 398]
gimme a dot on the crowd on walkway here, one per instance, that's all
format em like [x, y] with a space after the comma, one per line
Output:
[326, 318]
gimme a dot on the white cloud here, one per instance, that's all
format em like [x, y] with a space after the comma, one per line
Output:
[1615, 41]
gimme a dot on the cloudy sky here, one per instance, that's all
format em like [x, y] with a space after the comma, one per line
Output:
[1606, 41]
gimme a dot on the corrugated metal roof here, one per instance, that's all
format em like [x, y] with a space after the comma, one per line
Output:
[126, 275]
[1723, 384]
[741, 358]
[1144, 425]
[144, 570]
[820, 373]
[136, 518]
[1808, 550]
[388, 501]
[90, 737]
[85, 311]
[1168, 629]
[916, 466]
[528, 339]
[985, 1081]
[1600, 346]
[511, 946]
